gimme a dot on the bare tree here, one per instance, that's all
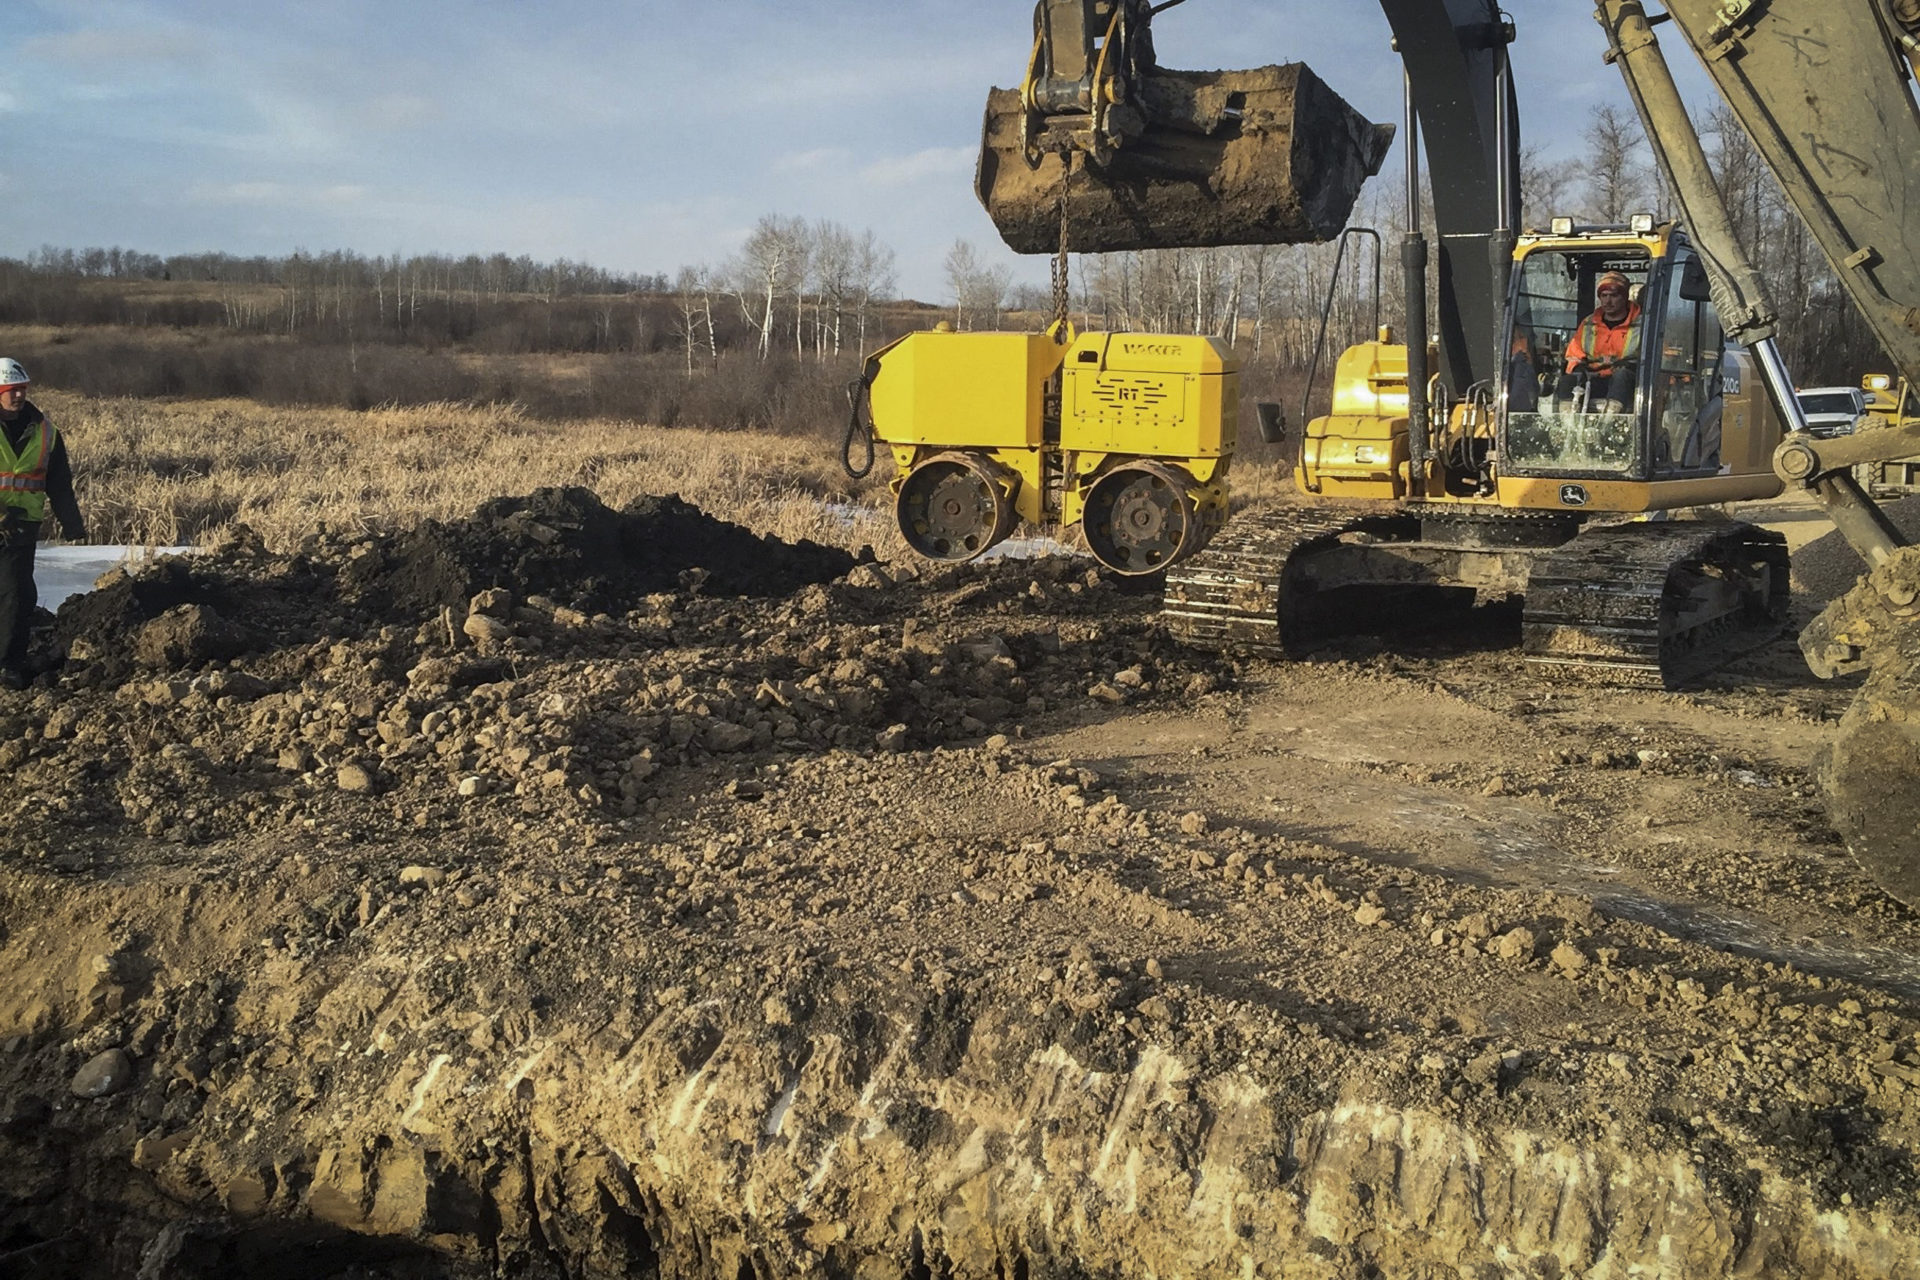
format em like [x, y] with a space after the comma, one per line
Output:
[1752, 197]
[991, 297]
[963, 267]
[770, 265]
[979, 291]
[871, 279]
[1546, 186]
[1256, 269]
[801, 237]
[834, 251]
[1617, 181]
[691, 294]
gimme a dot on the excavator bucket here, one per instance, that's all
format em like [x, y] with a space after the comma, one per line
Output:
[1267, 156]
[1870, 774]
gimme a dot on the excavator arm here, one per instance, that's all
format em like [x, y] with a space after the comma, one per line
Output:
[1841, 146]
[1824, 89]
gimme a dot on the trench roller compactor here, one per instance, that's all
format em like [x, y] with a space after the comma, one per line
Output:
[1126, 435]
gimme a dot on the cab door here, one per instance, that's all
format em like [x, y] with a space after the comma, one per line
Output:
[1687, 404]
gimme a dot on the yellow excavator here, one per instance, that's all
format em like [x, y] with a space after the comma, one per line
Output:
[1496, 451]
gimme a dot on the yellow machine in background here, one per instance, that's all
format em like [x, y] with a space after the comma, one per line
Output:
[1361, 448]
[1128, 436]
[1893, 402]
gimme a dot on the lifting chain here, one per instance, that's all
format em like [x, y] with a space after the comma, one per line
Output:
[1062, 288]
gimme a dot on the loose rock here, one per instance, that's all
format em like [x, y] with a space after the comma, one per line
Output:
[105, 1073]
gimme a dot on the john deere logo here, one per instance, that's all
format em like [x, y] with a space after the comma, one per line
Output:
[1573, 495]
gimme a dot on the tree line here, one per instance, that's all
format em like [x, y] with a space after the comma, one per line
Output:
[495, 275]
[815, 295]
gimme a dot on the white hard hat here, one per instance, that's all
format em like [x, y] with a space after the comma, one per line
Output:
[12, 374]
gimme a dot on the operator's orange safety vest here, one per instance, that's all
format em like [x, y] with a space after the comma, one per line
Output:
[1607, 344]
[23, 475]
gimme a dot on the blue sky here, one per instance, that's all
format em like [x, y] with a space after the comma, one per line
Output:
[638, 136]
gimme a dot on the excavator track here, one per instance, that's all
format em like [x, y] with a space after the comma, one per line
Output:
[1230, 597]
[1648, 605]
[1655, 605]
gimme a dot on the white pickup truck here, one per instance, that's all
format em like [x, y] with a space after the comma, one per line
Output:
[1833, 411]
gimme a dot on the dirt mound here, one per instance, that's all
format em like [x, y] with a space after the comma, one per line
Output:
[1826, 568]
[212, 695]
[565, 544]
[560, 546]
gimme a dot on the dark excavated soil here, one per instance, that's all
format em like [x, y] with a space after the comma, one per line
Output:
[562, 545]
[1827, 567]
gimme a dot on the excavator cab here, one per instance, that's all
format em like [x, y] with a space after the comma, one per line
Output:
[1668, 404]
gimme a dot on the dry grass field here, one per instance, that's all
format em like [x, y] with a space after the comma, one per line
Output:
[164, 472]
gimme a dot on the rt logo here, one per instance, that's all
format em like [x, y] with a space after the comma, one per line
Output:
[1573, 495]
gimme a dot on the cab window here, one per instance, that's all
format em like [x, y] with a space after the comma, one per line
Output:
[1550, 424]
[1687, 386]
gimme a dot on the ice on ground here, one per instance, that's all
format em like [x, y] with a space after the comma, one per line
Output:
[60, 572]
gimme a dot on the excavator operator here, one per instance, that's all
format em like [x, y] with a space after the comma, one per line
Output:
[1604, 350]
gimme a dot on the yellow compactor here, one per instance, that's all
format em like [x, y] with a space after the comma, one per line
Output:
[1127, 436]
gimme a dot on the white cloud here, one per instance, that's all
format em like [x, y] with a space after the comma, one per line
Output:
[108, 48]
[806, 161]
[7, 102]
[932, 162]
[278, 194]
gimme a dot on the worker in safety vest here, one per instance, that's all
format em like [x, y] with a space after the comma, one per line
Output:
[34, 475]
[1604, 351]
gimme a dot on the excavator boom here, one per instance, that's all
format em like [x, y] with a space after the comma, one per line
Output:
[1824, 90]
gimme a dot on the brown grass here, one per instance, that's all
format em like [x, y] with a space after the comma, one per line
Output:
[176, 472]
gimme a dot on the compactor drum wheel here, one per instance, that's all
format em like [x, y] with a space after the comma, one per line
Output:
[1140, 519]
[953, 507]
[1872, 775]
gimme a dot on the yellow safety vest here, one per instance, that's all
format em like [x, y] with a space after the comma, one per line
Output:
[23, 475]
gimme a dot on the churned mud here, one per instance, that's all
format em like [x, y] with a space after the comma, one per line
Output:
[571, 892]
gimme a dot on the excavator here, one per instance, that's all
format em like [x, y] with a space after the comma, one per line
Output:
[1472, 455]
